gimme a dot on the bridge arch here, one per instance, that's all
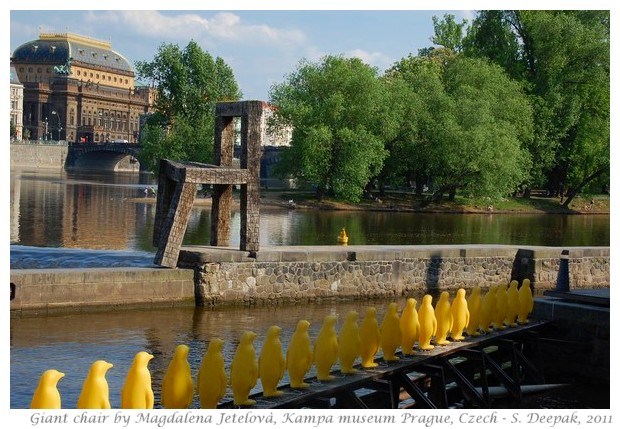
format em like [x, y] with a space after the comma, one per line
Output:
[104, 157]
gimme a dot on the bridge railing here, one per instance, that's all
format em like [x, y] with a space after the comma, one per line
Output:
[40, 142]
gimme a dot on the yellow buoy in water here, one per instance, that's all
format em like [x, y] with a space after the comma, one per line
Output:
[342, 237]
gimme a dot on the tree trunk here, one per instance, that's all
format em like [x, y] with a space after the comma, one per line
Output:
[452, 194]
[573, 192]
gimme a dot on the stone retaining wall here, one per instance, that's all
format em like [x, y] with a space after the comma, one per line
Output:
[35, 292]
[380, 271]
[35, 156]
[212, 276]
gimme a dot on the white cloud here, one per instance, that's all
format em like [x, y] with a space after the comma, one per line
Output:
[377, 59]
[221, 27]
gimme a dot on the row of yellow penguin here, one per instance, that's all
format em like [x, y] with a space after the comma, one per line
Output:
[500, 307]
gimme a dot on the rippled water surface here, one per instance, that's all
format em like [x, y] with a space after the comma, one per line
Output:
[61, 219]
[71, 343]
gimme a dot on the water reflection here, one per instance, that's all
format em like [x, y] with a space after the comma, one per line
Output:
[71, 343]
[108, 211]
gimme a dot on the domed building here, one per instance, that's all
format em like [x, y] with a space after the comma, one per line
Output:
[80, 90]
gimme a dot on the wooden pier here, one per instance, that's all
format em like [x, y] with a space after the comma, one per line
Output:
[460, 372]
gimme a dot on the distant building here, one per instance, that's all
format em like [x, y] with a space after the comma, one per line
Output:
[17, 104]
[78, 89]
[277, 137]
[272, 136]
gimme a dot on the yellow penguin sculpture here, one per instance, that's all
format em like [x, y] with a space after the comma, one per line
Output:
[299, 355]
[370, 335]
[271, 362]
[391, 335]
[326, 348]
[513, 304]
[137, 392]
[211, 381]
[487, 311]
[526, 302]
[460, 315]
[95, 390]
[177, 388]
[443, 313]
[501, 307]
[349, 343]
[474, 305]
[409, 325]
[428, 323]
[244, 370]
[46, 395]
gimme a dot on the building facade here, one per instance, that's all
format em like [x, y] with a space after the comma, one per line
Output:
[17, 104]
[78, 89]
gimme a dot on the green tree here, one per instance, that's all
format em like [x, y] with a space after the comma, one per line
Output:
[471, 125]
[404, 165]
[562, 59]
[449, 33]
[189, 83]
[340, 121]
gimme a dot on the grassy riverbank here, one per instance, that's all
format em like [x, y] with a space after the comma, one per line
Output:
[401, 201]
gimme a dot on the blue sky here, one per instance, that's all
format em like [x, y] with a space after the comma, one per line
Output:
[261, 46]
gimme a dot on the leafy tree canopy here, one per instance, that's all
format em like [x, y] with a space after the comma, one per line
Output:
[472, 124]
[562, 59]
[339, 112]
[189, 83]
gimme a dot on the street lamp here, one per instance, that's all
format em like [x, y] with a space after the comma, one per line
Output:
[59, 126]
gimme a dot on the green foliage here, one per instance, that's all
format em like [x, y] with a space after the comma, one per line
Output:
[339, 113]
[189, 83]
[471, 122]
[448, 33]
[562, 59]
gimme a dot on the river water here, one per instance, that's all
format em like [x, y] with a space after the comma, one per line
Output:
[63, 219]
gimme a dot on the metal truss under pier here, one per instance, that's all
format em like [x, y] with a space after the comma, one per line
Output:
[459, 374]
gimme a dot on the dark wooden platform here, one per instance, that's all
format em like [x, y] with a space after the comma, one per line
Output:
[391, 379]
[599, 297]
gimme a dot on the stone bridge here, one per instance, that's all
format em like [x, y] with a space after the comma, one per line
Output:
[111, 156]
[106, 156]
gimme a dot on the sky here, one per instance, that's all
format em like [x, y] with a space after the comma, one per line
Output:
[261, 46]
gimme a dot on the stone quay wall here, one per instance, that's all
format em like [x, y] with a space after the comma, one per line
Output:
[49, 291]
[359, 272]
[36, 156]
[212, 276]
